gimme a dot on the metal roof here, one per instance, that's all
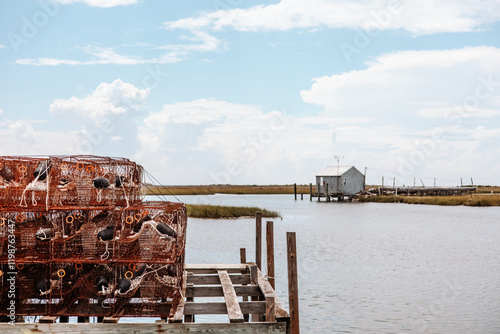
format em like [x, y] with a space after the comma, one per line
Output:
[334, 170]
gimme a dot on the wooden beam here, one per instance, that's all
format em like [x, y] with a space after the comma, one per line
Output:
[267, 290]
[220, 308]
[213, 268]
[124, 328]
[233, 307]
[270, 308]
[214, 279]
[110, 320]
[179, 313]
[216, 291]
[48, 319]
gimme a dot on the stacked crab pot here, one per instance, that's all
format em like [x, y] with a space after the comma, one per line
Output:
[77, 239]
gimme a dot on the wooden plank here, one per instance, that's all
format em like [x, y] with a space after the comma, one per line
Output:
[293, 291]
[270, 308]
[266, 289]
[220, 308]
[124, 328]
[110, 320]
[214, 279]
[179, 312]
[213, 268]
[216, 291]
[47, 319]
[233, 307]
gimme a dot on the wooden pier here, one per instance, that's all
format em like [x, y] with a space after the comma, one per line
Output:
[234, 284]
[422, 191]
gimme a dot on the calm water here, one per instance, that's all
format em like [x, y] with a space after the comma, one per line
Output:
[381, 268]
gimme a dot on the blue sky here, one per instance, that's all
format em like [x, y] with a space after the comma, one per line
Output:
[257, 92]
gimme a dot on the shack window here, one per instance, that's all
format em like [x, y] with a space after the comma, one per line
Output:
[345, 180]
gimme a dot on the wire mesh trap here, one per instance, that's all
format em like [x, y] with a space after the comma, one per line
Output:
[76, 239]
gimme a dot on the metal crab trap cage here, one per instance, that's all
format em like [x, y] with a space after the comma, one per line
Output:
[78, 239]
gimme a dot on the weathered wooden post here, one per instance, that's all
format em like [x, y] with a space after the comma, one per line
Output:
[254, 280]
[243, 255]
[270, 252]
[295, 190]
[310, 191]
[301, 196]
[327, 197]
[258, 240]
[243, 260]
[293, 291]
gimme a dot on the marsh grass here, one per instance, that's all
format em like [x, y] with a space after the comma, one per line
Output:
[217, 211]
[467, 200]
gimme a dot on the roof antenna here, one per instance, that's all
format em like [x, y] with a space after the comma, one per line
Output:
[338, 157]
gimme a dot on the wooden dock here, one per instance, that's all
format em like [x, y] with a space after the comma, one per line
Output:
[247, 298]
[422, 191]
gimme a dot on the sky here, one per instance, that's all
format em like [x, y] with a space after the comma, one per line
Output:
[257, 92]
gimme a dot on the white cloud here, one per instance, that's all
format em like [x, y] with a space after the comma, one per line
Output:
[429, 109]
[433, 16]
[408, 83]
[210, 141]
[108, 101]
[2, 46]
[1, 111]
[99, 3]
[202, 42]
[20, 137]
[104, 117]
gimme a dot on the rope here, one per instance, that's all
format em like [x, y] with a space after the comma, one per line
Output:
[99, 195]
[158, 182]
[105, 255]
[33, 200]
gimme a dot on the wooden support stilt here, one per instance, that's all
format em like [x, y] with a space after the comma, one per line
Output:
[243, 260]
[310, 191]
[295, 190]
[270, 251]
[258, 239]
[254, 280]
[179, 313]
[189, 317]
[293, 292]
[270, 309]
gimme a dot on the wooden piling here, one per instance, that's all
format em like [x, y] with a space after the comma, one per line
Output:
[327, 197]
[258, 239]
[295, 190]
[310, 191]
[293, 292]
[243, 260]
[270, 252]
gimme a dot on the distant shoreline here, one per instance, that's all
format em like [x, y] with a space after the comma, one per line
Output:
[483, 196]
[227, 189]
